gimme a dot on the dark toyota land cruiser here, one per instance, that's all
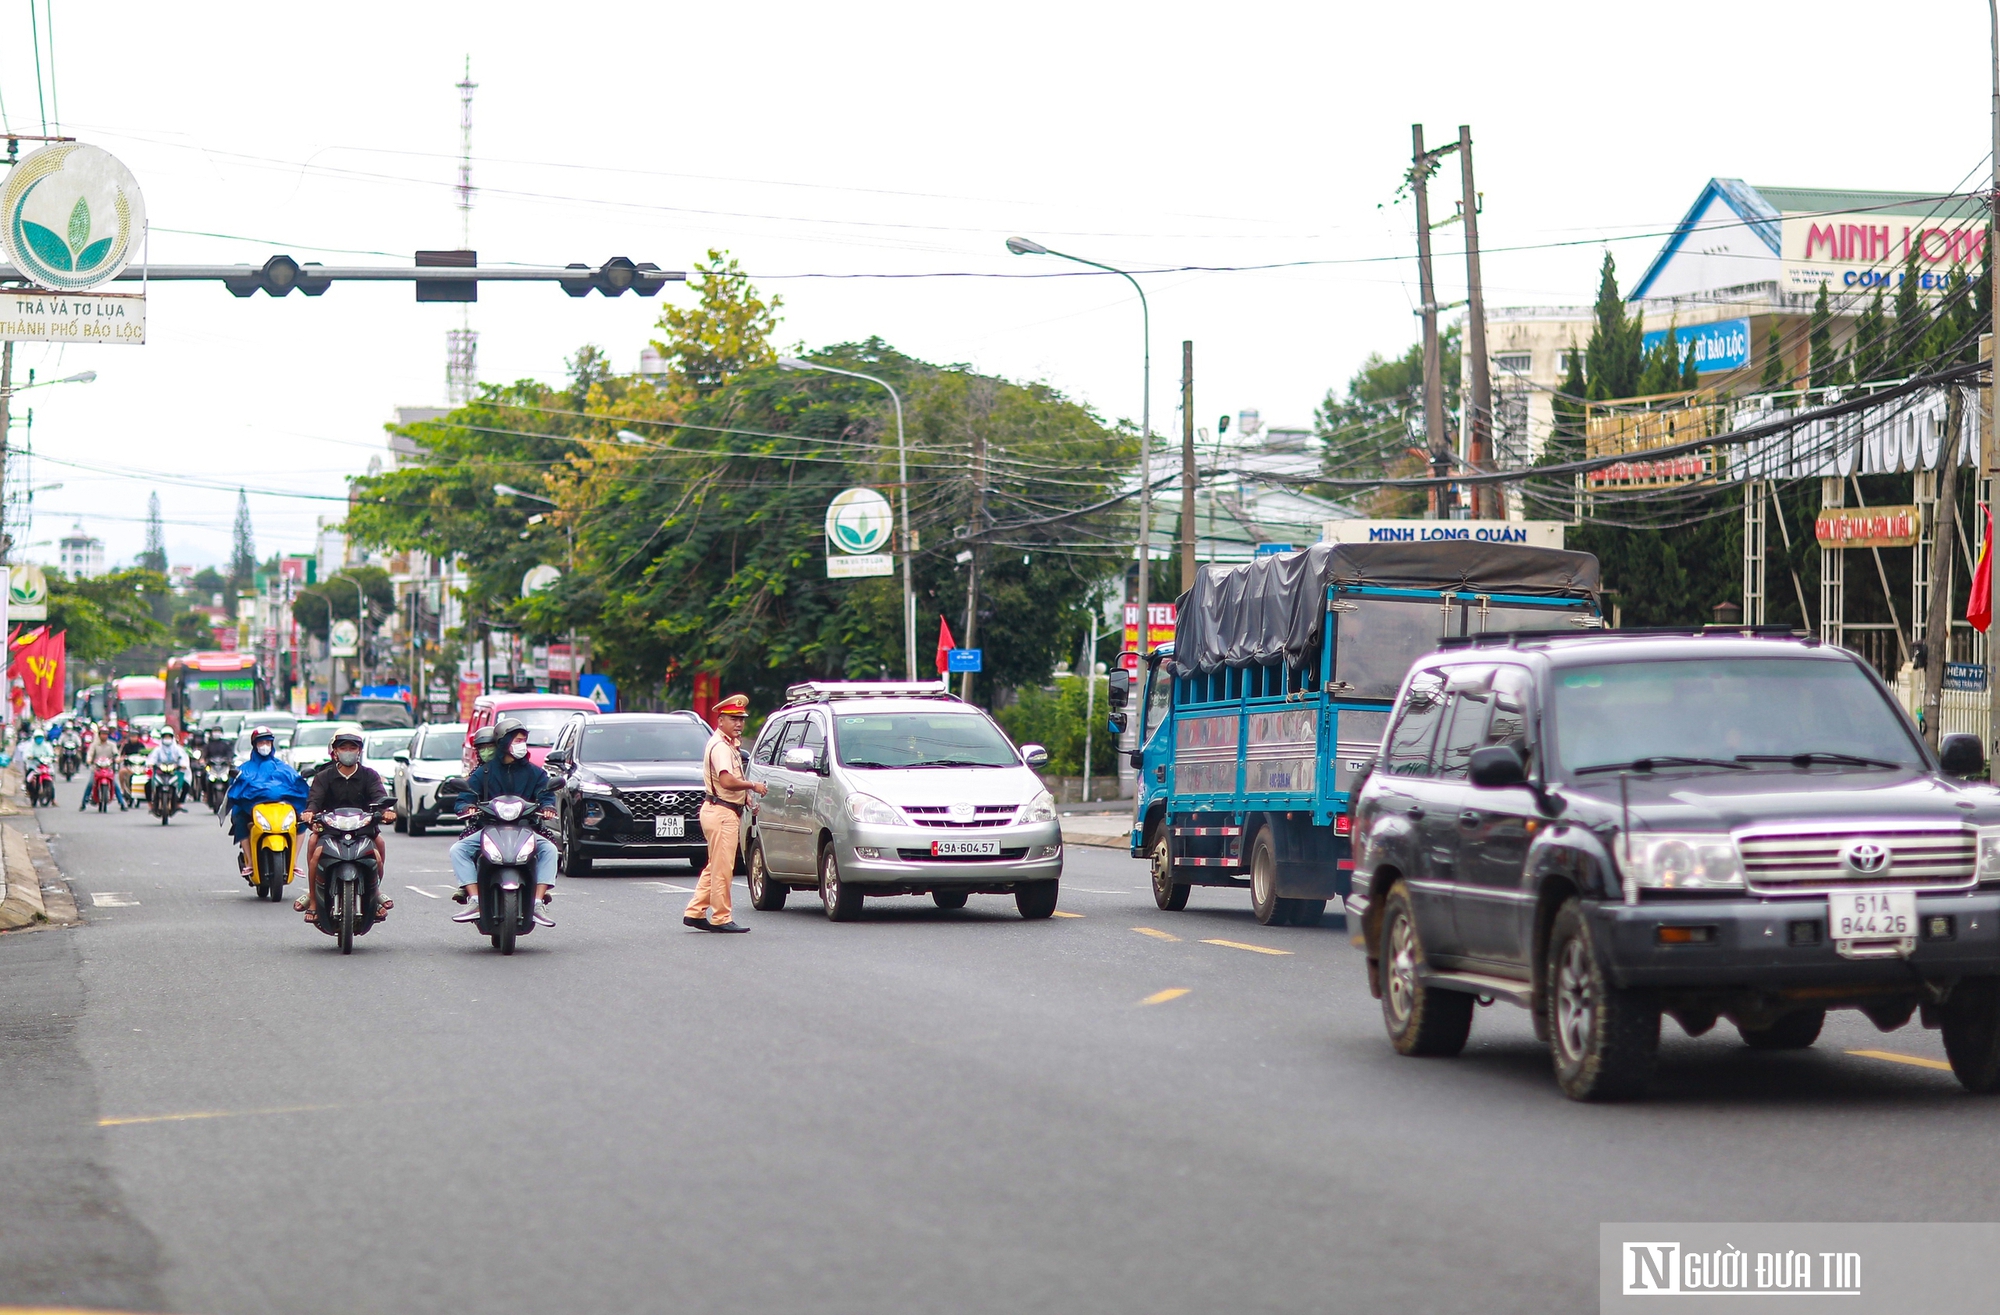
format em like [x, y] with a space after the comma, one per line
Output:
[1605, 828]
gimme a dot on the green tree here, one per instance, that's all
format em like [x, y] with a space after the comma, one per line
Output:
[1777, 375]
[726, 332]
[243, 553]
[1871, 341]
[154, 558]
[1370, 431]
[107, 614]
[1819, 339]
[1614, 358]
[1056, 721]
[1906, 355]
[317, 606]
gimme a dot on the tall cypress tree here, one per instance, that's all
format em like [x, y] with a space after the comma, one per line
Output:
[1777, 375]
[1871, 341]
[1613, 359]
[1820, 337]
[1566, 437]
[1913, 323]
[243, 556]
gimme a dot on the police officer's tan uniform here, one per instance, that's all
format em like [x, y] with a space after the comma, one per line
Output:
[721, 813]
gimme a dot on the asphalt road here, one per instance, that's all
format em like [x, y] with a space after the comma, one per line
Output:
[211, 1111]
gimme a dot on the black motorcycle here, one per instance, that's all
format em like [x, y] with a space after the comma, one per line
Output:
[508, 827]
[347, 882]
[218, 768]
[69, 757]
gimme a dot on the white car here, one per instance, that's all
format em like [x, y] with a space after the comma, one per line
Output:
[312, 742]
[379, 750]
[434, 753]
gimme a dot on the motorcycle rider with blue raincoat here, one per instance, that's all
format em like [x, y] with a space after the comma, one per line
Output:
[264, 778]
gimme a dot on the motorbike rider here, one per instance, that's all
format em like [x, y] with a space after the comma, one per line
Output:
[132, 750]
[36, 750]
[167, 754]
[103, 753]
[503, 769]
[264, 778]
[346, 784]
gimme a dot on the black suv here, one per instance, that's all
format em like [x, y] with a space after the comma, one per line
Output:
[629, 785]
[1606, 828]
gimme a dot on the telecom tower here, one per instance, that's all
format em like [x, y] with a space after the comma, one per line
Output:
[461, 370]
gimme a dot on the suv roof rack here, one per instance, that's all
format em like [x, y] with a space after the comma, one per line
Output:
[1513, 638]
[812, 691]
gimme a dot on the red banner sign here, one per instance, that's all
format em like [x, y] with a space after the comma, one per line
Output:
[39, 663]
[1867, 527]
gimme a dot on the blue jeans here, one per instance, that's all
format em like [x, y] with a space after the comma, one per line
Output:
[465, 860]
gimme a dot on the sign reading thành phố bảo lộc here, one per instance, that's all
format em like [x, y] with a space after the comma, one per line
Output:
[34, 315]
[1867, 527]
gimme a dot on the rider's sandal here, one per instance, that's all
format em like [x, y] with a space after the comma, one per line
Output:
[299, 904]
[382, 907]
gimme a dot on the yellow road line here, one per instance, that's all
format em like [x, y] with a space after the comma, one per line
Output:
[1156, 933]
[206, 1114]
[1060, 914]
[1915, 1061]
[1161, 997]
[1254, 949]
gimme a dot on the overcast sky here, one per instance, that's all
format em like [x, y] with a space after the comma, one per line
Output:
[896, 139]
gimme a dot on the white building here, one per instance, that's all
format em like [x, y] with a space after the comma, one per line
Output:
[80, 556]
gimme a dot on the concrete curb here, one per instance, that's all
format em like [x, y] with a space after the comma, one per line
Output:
[1100, 837]
[33, 893]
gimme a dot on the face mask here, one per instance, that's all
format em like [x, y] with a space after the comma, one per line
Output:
[518, 748]
[348, 757]
[486, 753]
[263, 751]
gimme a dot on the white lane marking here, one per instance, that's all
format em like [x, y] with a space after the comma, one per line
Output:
[666, 885]
[1089, 891]
[111, 899]
[421, 891]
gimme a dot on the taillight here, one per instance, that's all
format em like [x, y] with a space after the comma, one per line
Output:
[1343, 825]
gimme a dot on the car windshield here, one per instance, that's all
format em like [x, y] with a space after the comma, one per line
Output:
[542, 723]
[1723, 709]
[921, 739]
[674, 739]
[388, 746]
[317, 735]
[444, 743]
[130, 708]
[380, 712]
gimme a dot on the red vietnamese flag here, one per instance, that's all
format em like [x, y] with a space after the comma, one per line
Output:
[945, 645]
[1979, 607]
[37, 662]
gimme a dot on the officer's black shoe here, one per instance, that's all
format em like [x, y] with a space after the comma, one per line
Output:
[727, 926]
[689, 920]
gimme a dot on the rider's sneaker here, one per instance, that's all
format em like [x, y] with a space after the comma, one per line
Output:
[542, 919]
[469, 914]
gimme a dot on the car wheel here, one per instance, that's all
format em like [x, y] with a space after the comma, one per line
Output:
[575, 863]
[402, 823]
[1037, 899]
[1971, 1026]
[1420, 1019]
[1168, 894]
[1604, 1040]
[949, 899]
[842, 901]
[766, 895]
[1792, 1032]
[412, 824]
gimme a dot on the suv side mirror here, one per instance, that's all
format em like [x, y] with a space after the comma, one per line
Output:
[556, 758]
[1497, 765]
[1962, 755]
[1119, 688]
[1035, 756]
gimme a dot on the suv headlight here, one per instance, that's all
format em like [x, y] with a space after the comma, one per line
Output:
[594, 787]
[1041, 808]
[867, 808]
[1989, 853]
[1668, 860]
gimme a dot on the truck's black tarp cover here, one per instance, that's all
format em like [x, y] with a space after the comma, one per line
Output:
[1248, 615]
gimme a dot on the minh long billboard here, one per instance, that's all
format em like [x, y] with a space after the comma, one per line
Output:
[1861, 252]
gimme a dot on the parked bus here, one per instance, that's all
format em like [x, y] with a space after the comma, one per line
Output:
[212, 682]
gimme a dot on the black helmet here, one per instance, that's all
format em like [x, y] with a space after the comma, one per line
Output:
[507, 728]
[346, 736]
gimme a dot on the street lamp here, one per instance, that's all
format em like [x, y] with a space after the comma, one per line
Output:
[903, 493]
[82, 377]
[569, 529]
[1023, 246]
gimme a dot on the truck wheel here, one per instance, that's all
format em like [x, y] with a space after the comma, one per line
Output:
[1792, 1032]
[766, 895]
[1972, 1033]
[1166, 893]
[1264, 901]
[1605, 1041]
[1421, 1020]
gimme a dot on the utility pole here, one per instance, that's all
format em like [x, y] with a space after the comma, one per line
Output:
[1486, 498]
[1992, 417]
[6, 438]
[978, 527]
[1187, 466]
[1435, 442]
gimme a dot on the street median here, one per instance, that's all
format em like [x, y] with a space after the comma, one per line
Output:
[32, 891]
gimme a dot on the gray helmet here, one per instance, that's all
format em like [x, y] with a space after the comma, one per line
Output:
[507, 728]
[484, 736]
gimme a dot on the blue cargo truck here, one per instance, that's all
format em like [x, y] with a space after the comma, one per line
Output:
[1257, 723]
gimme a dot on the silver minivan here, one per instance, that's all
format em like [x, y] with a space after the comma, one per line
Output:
[897, 789]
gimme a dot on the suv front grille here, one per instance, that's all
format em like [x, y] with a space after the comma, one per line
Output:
[661, 803]
[1786, 862]
[983, 815]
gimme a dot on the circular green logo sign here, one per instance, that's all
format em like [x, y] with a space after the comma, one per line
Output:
[26, 586]
[71, 216]
[858, 521]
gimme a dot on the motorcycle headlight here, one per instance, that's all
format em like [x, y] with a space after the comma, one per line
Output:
[526, 853]
[347, 823]
[1041, 808]
[1669, 860]
[507, 809]
[867, 808]
[491, 850]
[1989, 853]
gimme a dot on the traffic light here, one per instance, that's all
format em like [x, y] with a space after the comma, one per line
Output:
[278, 276]
[614, 276]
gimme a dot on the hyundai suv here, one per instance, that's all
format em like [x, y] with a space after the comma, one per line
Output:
[892, 789]
[1607, 829]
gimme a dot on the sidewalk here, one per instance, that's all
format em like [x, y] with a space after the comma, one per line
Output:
[32, 892]
[1108, 830]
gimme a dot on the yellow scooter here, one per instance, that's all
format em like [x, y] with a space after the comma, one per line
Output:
[274, 844]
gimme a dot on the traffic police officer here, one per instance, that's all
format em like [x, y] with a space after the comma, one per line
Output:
[728, 786]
